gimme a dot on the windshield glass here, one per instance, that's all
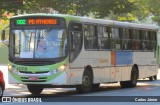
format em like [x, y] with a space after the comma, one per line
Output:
[39, 43]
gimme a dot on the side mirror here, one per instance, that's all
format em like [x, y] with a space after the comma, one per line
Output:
[3, 35]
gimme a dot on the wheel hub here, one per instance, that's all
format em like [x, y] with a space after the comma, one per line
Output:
[86, 81]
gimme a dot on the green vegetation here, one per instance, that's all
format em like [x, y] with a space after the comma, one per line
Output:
[112, 9]
[3, 54]
[100, 8]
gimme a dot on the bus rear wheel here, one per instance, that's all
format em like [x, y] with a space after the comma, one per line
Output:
[155, 77]
[151, 78]
[35, 89]
[87, 81]
[133, 81]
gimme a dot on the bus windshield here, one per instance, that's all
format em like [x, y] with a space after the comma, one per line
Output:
[39, 43]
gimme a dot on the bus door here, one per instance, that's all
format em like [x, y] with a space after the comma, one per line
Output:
[75, 50]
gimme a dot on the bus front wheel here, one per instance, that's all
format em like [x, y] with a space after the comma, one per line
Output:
[87, 81]
[96, 85]
[35, 89]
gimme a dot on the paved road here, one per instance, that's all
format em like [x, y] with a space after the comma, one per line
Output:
[144, 88]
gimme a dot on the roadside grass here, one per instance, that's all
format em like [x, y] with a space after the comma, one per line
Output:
[3, 54]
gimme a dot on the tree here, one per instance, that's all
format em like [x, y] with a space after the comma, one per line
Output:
[10, 6]
[117, 7]
[100, 8]
[113, 9]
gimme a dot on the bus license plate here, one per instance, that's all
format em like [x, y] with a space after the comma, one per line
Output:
[33, 78]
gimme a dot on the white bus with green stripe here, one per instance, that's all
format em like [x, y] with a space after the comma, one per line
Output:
[53, 50]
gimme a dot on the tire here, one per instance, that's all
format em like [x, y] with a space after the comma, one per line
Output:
[151, 78]
[1, 91]
[87, 82]
[155, 77]
[133, 81]
[124, 84]
[35, 89]
[96, 85]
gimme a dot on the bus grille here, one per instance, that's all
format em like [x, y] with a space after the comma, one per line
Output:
[40, 79]
[31, 63]
[29, 72]
[34, 81]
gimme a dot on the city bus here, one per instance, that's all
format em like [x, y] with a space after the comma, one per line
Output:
[55, 50]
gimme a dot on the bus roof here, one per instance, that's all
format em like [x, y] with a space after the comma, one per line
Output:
[97, 21]
[119, 23]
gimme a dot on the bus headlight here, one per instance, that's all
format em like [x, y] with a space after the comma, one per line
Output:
[9, 67]
[12, 70]
[58, 70]
[62, 68]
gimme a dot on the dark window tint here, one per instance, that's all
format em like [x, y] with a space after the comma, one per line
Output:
[146, 45]
[135, 34]
[136, 44]
[126, 34]
[126, 44]
[103, 37]
[115, 40]
[153, 45]
[90, 37]
[115, 33]
[75, 40]
[145, 35]
[116, 43]
[76, 27]
[153, 36]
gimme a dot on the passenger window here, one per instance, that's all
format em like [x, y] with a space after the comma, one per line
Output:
[126, 44]
[136, 34]
[90, 37]
[126, 39]
[103, 37]
[145, 35]
[153, 36]
[153, 40]
[115, 40]
[136, 45]
[126, 34]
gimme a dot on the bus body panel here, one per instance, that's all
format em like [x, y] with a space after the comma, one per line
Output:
[146, 62]
[75, 76]
[60, 80]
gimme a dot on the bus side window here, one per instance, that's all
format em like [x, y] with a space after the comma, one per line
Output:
[90, 37]
[103, 38]
[115, 39]
[153, 40]
[86, 35]
[145, 40]
[136, 41]
[126, 39]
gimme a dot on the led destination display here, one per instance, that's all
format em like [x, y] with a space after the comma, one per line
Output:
[36, 22]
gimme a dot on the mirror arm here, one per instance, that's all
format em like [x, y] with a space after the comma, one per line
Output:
[3, 41]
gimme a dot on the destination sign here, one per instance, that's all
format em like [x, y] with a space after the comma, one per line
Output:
[36, 21]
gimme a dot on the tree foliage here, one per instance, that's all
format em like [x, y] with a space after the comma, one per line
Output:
[98, 8]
